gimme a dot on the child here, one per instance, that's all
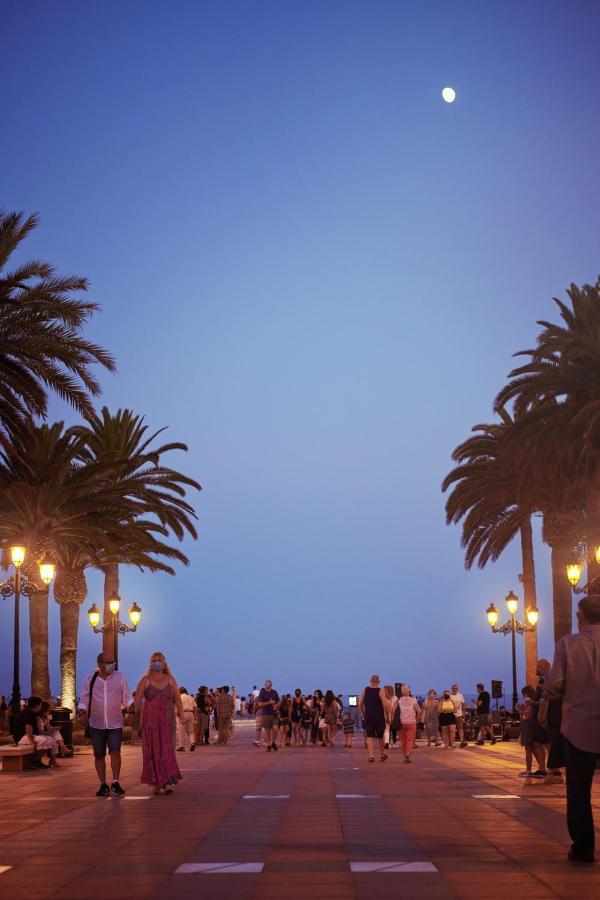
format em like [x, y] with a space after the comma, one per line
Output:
[348, 726]
[306, 722]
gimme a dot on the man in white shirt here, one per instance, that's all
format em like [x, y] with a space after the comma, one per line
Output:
[188, 726]
[459, 707]
[104, 696]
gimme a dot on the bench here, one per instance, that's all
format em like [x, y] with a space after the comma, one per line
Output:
[13, 758]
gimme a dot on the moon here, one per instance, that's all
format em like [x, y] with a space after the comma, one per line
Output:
[449, 94]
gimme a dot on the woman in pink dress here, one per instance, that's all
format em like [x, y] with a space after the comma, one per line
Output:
[157, 696]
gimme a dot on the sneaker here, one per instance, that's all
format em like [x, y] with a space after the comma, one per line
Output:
[525, 774]
[386, 746]
[103, 790]
[463, 744]
[256, 743]
[575, 857]
[539, 774]
[192, 748]
[407, 759]
[480, 743]
[493, 741]
[117, 789]
[181, 749]
[274, 746]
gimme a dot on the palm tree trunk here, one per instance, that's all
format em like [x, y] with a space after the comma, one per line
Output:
[38, 638]
[111, 587]
[562, 602]
[70, 591]
[530, 599]
[69, 626]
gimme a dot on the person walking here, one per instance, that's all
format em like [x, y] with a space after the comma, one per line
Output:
[104, 696]
[483, 716]
[224, 708]
[296, 716]
[188, 726]
[533, 737]
[390, 702]
[204, 707]
[431, 718]
[410, 712]
[156, 699]
[575, 678]
[330, 713]
[372, 710]
[550, 718]
[447, 720]
[459, 708]
[268, 703]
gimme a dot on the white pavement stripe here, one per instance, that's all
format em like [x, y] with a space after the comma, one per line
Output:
[266, 797]
[399, 866]
[496, 796]
[219, 868]
[358, 796]
[128, 797]
[4, 869]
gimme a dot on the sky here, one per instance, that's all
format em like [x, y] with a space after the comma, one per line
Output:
[314, 272]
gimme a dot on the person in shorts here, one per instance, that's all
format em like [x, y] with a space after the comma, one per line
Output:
[268, 704]
[483, 716]
[104, 696]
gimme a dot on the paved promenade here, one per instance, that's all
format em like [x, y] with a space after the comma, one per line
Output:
[301, 823]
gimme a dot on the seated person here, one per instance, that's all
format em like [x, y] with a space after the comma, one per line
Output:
[51, 731]
[26, 732]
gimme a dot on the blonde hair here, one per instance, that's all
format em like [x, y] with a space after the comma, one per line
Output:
[389, 691]
[166, 668]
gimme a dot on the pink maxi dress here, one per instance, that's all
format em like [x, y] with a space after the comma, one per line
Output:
[158, 737]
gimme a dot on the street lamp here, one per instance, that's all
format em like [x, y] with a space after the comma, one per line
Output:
[512, 627]
[114, 625]
[16, 585]
[575, 569]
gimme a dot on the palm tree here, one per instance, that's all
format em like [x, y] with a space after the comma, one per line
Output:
[53, 496]
[41, 345]
[488, 497]
[122, 444]
[556, 397]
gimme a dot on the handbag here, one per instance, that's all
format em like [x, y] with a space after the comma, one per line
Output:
[87, 731]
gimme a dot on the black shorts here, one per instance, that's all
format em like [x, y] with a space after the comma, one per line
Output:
[375, 730]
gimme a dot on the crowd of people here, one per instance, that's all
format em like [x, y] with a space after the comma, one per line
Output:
[559, 721]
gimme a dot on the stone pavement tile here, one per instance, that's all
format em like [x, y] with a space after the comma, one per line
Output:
[115, 887]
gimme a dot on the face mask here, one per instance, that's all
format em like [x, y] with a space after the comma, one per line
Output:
[109, 668]
[156, 666]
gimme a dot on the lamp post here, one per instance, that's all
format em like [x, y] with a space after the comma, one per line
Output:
[16, 585]
[512, 627]
[575, 569]
[114, 625]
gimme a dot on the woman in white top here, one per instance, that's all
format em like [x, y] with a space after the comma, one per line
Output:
[389, 705]
[409, 713]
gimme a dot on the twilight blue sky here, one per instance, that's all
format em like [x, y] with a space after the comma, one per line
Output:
[315, 272]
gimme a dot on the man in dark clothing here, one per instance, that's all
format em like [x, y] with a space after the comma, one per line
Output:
[27, 730]
[483, 715]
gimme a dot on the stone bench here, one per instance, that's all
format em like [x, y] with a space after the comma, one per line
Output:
[13, 758]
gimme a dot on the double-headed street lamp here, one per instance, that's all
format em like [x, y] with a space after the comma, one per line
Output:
[114, 626]
[512, 627]
[16, 585]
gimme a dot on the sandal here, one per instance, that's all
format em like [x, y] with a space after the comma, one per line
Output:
[371, 759]
[383, 758]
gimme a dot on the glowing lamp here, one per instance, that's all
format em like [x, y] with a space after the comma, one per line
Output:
[94, 614]
[597, 554]
[47, 572]
[492, 614]
[17, 555]
[135, 614]
[512, 602]
[532, 615]
[114, 604]
[574, 573]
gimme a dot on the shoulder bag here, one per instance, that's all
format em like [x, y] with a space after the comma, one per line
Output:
[87, 731]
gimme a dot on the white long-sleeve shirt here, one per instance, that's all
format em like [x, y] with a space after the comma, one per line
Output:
[109, 696]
